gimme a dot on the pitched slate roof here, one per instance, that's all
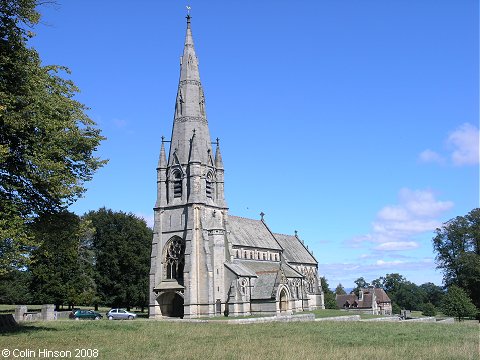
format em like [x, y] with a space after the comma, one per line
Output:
[251, 233]
[366, 303]
[264, 285]
[342, 299]
[239, 269]
[381, 296]
[267, 274]
[294, 250]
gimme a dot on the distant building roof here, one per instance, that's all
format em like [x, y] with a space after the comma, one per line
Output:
[366, 302]
[381, 296]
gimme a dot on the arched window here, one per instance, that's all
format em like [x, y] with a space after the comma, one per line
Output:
[208, 186]
[243, 286]
[174, 259]
[177, 184]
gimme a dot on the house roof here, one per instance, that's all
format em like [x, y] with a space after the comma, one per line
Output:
[294, 250]
[367, 301]
[250, 233]
[381, 296]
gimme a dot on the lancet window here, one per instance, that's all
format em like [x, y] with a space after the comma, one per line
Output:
[177, 184]
[209, 186]
[174, 259]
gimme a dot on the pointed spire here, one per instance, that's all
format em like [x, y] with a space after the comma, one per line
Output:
[162, 159]
[190, 109]
[218, 156]
[189, 61]
[194, 153]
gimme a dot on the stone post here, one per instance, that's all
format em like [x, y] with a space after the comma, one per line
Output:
[19, 311]
[48, 312]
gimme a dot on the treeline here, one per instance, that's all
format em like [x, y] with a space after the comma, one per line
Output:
[100, 258]
[457, 248]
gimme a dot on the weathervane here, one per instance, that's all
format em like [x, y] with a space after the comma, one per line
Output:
[188, 10]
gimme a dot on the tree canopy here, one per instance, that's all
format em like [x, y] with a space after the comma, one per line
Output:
[457, 244]
[457, 303]
[47, 141]
[329, 296]
[122, 244]
[340, 290]
[63, 265]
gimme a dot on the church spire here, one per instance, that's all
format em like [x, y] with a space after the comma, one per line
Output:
[190, 112]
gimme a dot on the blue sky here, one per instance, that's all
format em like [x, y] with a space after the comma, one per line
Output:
[353, 122]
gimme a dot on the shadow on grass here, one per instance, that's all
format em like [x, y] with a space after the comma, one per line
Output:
[23, 329]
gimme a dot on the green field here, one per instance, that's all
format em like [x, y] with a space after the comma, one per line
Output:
[145, 339]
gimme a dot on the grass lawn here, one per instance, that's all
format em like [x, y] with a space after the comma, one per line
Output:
[333, 313]
[145, 339]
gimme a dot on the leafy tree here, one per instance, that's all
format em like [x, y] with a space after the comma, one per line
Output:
[122, 244]
[329, 300]
[361, 284]
[62, 269]
[457, 245]
[396, 309]
[14, 288]
[409, 296]
[457, 303]
[340, 290]
[46, 139]
[391, 282]
[433, 293]
[378, 283]
[429, 310]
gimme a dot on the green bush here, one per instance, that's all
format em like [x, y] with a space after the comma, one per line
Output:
[396, 308]
[429, 309]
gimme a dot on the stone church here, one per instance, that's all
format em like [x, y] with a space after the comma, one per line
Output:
[204, 261]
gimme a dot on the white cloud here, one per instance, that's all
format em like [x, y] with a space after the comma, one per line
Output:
[431, 156]
[395, 225]
[465, 142]
[397, 245]
[346, 273]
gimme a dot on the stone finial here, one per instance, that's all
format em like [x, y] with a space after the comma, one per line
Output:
[262, 214]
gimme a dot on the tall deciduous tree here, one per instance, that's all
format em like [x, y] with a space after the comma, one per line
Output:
[340, 290]
[434, 294]
[457, 303]
[122, 244]
[457, 245]
[62, 266]
[47, 142]
[329, 296]
[361, 284]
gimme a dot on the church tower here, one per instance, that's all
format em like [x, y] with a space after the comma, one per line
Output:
[189, 243]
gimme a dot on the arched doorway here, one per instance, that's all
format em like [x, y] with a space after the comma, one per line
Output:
[283, 301]
[171, 304]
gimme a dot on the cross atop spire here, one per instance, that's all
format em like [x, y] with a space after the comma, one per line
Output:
[188, 16]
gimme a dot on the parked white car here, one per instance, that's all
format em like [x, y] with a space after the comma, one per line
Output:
[120, 314]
